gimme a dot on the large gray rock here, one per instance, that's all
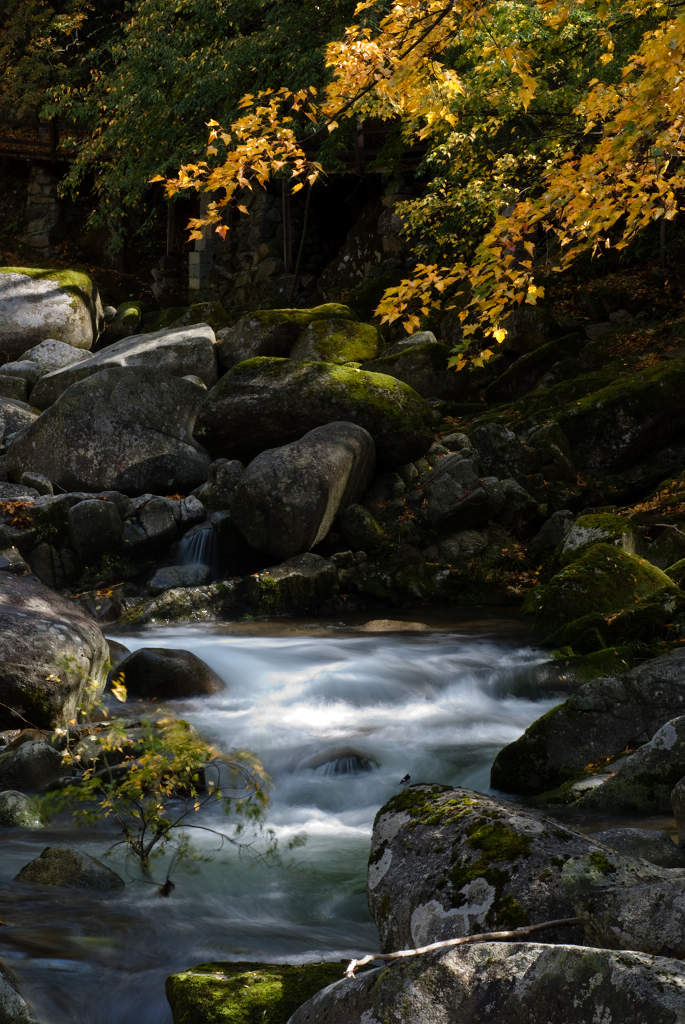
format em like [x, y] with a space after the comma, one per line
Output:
[598, 722]
[627, 903]
[34, 766]
[17, 810]
[38, 304]
[288, 497]
[60, 865]
[264, 402]
[448, 862]
[178, 351]
[121, 429]
[50, 653]
[499, 983]
[14, 417]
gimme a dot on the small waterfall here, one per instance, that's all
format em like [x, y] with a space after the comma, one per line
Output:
[199, 547]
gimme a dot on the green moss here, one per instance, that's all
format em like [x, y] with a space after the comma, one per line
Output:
[601, 863]
[604, 579]
[302, 317]
[418, 802]
[676, 572]
[246, 993]
[602, 528]
[511, 914]
[498, 842]
[337, 340]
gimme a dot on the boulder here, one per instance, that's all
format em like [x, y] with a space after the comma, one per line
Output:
[643, 781]
[167, 674]
[124, 428]
[60, 865]
[420, 361]
[266, 402]
[501, 982]
[18, 811]
[15, 416]
[336, 340]
[599, 528]
[95, 527]
[177, 352]
[301, 584]
[646, 843]
[38, 304]
[449, 862]
[597, 723]
[13, 1008]
[271, 332]
[244, 993]
[51, 654]
[632, 418]
[604, 579]
[35, 766]
[627, 903]
[288, 497]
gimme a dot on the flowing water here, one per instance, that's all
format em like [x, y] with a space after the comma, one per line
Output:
[338, 716]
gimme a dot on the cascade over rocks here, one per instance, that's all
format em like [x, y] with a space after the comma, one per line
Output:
[38, 304]
[266, 402]
[501, 982]
[124, 428]
[178, 352]
[288, 497]
[50, 653]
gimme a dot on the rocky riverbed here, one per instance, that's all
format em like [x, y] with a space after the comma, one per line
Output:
[292, 462]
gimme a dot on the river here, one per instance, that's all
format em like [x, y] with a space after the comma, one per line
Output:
[338, 714]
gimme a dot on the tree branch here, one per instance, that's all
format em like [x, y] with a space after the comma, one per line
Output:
[515, 933]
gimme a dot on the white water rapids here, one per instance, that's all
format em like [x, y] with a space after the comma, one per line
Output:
[311, 703]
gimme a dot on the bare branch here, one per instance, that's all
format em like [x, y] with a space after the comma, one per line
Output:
[515, 934]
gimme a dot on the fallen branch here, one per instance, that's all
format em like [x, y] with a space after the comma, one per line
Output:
[515, 934]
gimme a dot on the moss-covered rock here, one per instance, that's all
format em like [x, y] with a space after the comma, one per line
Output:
[423, 365]
[246, 993]
[211, 312]
[448, 862]
[273, 332]
[629, 419]
[676, 572]
[265, 402]
[302, 584]
[603, 579]
[38, 303]
[654, 621]
[597, 528]
[604, 718]
[336, 340]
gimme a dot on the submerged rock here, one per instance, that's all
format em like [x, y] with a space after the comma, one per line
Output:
[60, 865]
[167, 674]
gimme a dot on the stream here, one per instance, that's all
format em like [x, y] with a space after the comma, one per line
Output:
[338, 714]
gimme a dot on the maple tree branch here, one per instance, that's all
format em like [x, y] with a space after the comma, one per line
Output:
[514, 933]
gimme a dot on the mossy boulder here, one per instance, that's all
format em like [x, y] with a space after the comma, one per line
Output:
[603, 579]
[336, 340]
[628, 420]
[676, 572]
[448, 862]
[421, 362]
[246, 993]
[653, 621]
[604, 718]
[38, 303]
[266, 402]
[501, 982]
[210, 312]
[273, 332]
[597, 528]
[302, 584]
